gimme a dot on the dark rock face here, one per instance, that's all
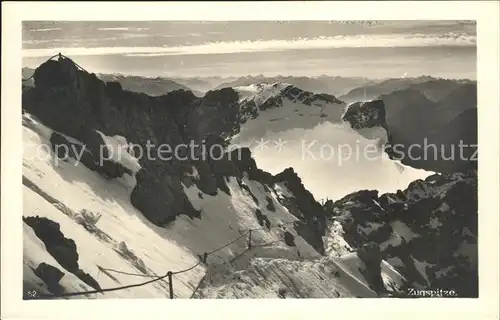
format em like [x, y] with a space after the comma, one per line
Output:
[366, 114]
[364, 217]
[312, 224]
[243, 161]
[61, 248]
[296, 94]
[250, 109]
[56, 74]
[272, 102]
[217, 166]
[163, 209]
[289, 239]
[65, 149]
[305, 201]
[371, 256]
[429, 229]
[270, 205]
[369, 115]
[77, 103]
[50, 275]
[262, 219]
[247, 189]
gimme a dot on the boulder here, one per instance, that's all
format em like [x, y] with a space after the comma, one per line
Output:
[50, 275]
[61, 248]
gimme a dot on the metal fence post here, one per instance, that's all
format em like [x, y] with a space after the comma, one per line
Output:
[170, 284]
[250, 239]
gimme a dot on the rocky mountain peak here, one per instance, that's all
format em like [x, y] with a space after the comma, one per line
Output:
[263, 96]
[57, 73]
[366, 114]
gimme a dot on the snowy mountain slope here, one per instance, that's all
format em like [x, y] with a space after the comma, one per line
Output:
[428, 231]
[283, 278]
[259, 274]
[34, 254]
[122, 239]
[280, 106]
[228, 217]
[120, 221]
[77, 188]
[322, 84]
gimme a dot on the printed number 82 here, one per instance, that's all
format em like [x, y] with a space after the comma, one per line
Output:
[32, 294]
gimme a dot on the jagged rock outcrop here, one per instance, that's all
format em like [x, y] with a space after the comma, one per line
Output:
[368, 119]
[371, 256]
[50, 275]
[312, 225]
[428, 232]
[269, 96]
[88, 155]
[296, 94]
[367, 114]
[329, 84]
[61, 248]
[242, 159]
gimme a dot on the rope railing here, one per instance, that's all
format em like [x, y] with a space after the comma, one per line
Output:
[228, 244]
[128, 273]
[169, 274]
[80, 293]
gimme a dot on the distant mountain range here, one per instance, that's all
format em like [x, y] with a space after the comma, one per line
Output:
[415, 120]
[433, 88]
[203, 84]
[323, 84]
[153, 86]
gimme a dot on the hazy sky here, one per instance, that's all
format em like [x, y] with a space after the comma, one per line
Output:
[374, 49]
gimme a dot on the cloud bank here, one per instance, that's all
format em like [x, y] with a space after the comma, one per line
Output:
[221, 47]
